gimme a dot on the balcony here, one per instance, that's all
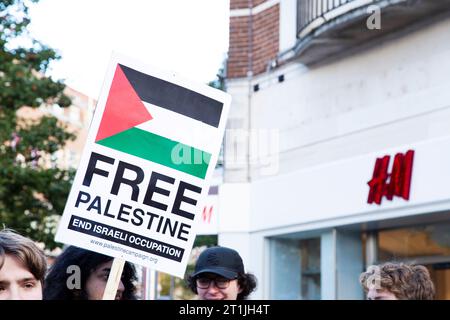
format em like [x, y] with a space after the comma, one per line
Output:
[331, 28]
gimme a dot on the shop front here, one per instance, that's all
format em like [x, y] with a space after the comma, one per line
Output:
[314, 231]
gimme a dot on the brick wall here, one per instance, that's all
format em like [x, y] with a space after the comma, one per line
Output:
[243, 4]
[265, 39]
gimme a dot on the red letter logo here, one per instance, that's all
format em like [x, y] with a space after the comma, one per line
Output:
[395, 184]
[207, 213]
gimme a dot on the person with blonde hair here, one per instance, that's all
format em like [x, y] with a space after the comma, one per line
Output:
[22, 267]
[397, 281]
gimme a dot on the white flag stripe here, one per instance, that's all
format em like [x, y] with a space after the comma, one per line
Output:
[180, 128]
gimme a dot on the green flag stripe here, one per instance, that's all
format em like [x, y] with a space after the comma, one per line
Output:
[155, 148]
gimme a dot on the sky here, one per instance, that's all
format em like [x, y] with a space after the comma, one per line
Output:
[187, 37]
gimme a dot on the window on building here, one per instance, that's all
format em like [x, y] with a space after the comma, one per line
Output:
[295, 269]
[74, 114]
[57, 110]
[428, 245]
[310, 269]
[431, 240]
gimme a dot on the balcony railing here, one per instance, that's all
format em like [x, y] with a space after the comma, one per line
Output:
[313, 13]
[330, 28]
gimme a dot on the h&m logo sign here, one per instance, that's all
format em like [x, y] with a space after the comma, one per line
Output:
[397, 183]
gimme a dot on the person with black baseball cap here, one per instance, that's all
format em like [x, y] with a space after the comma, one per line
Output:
[219, 275]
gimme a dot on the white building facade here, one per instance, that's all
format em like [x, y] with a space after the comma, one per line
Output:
[309, 119]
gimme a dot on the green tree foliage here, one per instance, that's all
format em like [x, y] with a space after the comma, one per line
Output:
[32, 193]
[219, 81]
[206, 240]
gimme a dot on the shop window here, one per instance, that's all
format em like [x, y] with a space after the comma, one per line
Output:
[428, 245]
[431, 240]
[295, 269]
[310, 269]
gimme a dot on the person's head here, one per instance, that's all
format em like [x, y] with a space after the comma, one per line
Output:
[22, 267]
[397, 281]
[219, 275]
[80, 274]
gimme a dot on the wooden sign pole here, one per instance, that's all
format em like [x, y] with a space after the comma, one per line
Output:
[114, 279]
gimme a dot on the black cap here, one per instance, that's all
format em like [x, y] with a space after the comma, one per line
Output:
[223, 261]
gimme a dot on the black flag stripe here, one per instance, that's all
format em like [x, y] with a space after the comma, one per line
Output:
[178, 99]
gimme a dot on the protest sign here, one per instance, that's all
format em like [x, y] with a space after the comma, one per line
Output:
[144, 173]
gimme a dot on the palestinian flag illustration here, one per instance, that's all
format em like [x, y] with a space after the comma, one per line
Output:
[159, 121]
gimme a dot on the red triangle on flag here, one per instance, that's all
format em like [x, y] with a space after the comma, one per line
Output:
[124, 109]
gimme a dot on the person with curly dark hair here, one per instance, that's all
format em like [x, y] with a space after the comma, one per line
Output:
[397, 281]
[219, 275]
[80, 274]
